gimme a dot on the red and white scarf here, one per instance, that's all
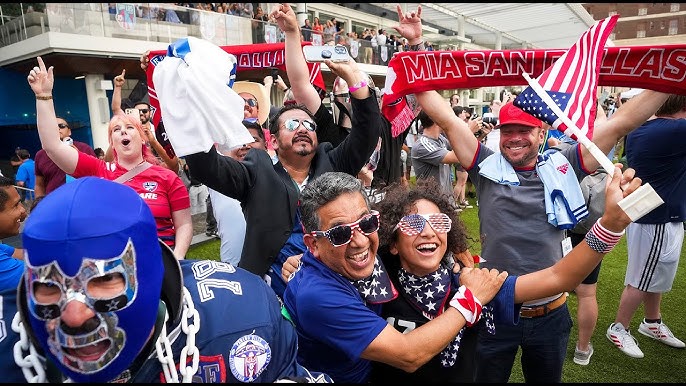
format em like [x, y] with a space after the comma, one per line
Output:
[661, 68]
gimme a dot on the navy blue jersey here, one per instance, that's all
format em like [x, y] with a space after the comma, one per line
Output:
[11, 373]
[243, 335]
[657, 151]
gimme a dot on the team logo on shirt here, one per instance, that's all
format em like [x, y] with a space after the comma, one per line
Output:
[249, 356]
[150, 186]
[211, 369]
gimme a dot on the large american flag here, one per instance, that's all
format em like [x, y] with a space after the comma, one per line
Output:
[571, 82]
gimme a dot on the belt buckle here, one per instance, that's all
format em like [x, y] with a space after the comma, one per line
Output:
[541, 310]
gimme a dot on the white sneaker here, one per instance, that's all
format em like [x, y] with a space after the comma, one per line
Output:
[660, 332]
[622, 338]
[583, 357]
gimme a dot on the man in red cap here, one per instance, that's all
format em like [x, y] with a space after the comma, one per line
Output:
[517, 234]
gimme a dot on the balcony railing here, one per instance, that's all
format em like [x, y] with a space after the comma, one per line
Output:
[149, 22]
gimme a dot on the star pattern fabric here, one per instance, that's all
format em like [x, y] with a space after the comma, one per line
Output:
[376, 288]
[429, 294]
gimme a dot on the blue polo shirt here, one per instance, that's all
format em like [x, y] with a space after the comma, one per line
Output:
[11, 269]
[333, 322]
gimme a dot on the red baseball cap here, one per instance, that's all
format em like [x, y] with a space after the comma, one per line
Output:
[513, 115]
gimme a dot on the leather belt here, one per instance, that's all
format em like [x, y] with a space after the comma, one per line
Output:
[543, 309]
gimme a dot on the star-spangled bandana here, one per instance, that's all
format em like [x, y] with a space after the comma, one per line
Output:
[376, 288]
[429, 295]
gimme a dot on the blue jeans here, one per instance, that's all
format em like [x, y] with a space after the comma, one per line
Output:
[544, 347]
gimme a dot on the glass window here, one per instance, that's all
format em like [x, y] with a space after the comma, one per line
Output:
[674, 7]
[673, 27]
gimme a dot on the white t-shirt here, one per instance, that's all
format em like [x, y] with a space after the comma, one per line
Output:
[381, 39]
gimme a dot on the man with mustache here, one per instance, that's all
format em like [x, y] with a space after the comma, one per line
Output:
[269, 192]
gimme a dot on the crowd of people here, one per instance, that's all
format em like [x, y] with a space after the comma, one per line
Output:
[334, 265]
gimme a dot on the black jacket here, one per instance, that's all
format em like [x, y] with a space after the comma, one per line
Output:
[268, 195]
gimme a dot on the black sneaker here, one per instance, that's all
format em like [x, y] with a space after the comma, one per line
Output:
[211, 234]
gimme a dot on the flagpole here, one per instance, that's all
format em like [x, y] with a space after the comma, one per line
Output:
[637, 204]
[584, 140]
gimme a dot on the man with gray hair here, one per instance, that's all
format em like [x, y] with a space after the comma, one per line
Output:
[330, 299]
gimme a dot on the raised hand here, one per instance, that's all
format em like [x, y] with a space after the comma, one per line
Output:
[40, 79]
[145, 61]
[268, 81]
[120, 79]
[410, 25]
[285, 18]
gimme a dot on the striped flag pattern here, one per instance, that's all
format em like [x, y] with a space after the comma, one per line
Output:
[571, 82]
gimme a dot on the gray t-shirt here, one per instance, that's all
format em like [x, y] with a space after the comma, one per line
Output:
[516, 236]
[427, 154]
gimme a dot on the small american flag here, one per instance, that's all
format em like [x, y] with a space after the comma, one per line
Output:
[571, 82]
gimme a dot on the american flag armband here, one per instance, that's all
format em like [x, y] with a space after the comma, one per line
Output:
[468, 305]
[602, 240]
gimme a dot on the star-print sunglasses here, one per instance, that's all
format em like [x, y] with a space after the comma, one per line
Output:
[342, 234]
[413, 224]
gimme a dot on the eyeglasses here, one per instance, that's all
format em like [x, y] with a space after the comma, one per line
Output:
[62, 126]
[250, 102]
[143, 111]
[413, 224]
[293, 123]
[342, 234]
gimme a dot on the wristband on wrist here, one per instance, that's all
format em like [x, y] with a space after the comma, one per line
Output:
[43, 97]
[468, 305]
[358, 86]
[418, 47]
[602, 240]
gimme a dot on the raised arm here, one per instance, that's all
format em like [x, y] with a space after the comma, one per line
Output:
[171, 163]
[116, 93]
[457, 131]
[41, 82]
[410, 26]
[296, 66]
[627, 118]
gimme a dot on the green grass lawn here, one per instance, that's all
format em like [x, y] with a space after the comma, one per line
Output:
[661, 364]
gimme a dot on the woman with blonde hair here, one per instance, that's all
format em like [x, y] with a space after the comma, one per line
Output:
[134, 164]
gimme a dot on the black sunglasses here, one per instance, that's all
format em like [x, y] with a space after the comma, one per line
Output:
[143, 111]
[250, 102]
[62, 126]
[293, 124]
[342, 234]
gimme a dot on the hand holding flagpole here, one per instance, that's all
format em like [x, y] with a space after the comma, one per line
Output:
[572, 80]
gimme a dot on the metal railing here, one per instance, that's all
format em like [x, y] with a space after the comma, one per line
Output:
[149, 22]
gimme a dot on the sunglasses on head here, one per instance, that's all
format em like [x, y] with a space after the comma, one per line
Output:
[143, 111]
[62, 125]
[293, 123]
[250, 102]
[342, 234]
[413, 224]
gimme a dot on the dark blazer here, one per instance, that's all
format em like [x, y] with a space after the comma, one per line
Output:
[267, 193]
